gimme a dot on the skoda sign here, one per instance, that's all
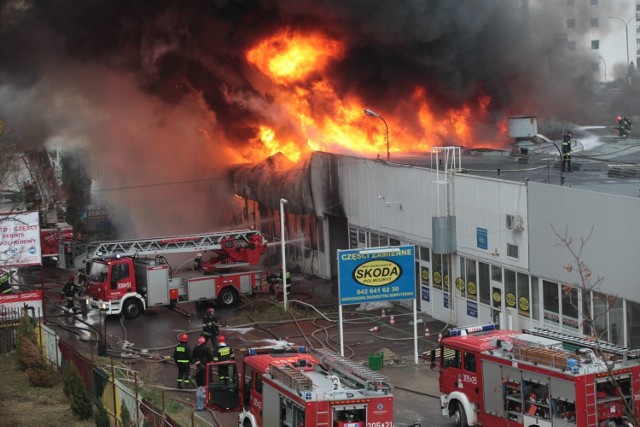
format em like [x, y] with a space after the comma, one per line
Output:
[376, 274]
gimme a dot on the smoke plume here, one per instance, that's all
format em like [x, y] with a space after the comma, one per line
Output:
[162, 96]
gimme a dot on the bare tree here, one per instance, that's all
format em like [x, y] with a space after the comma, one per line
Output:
[587, 283]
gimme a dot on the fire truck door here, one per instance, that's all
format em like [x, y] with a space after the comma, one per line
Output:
[223, 395]
[451, 376]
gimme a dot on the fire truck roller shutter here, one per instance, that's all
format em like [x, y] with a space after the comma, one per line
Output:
[493, 377]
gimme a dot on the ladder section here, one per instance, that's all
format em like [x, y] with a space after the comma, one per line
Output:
[585, 343]
[361, 374]
[590, 401]
[291, 378]
[170, 244]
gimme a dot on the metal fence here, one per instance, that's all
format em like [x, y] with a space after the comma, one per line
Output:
[112, 384]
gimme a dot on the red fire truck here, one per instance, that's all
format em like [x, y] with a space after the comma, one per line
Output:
[540, 378]
[118, 281]
[295, 388]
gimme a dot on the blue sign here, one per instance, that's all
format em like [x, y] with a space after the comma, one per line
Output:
[425, 293]
[482, 239]
[376, 274]
[472, 309]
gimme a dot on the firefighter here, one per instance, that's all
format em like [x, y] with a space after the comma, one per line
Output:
[286, 280]
[223, 353]
[5, 286]
[197, 262]
[182, 357]
[201, 356]
[69, 292]
[624, 126]
[566, 152]
[210, 327]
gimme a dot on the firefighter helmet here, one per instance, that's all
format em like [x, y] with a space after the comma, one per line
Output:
[618, 118]
[202, 340]
[221, 340]
[199, 254]
[183, 338]
[210, 310]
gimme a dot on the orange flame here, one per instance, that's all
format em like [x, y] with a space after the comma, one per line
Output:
[312, 116]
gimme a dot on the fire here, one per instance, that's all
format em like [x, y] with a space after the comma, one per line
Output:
[313, 116]
[289, 56]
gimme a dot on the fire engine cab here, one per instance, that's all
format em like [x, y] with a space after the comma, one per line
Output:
[291, 387]
[537, 377]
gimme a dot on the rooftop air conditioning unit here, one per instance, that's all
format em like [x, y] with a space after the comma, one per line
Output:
[514, 222]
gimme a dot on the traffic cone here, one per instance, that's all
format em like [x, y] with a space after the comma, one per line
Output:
[439, 337]
[392, 320]
[426, 332]
[374, 329]
[384, 314]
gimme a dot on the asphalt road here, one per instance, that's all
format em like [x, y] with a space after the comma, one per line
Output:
[157, 329]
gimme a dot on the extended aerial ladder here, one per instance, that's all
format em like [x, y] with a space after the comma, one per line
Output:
[76, 255]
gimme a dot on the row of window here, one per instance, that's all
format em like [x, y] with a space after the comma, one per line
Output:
[552, 304]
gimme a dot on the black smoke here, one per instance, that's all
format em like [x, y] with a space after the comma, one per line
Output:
[160, 92]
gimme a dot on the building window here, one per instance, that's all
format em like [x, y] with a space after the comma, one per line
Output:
[570, 307]
[524, 303]
[571, 23]
[424, 254]
[594, 2]
[595, 44]
[595, 23]
[551, 302]
[616, 322]
[595, 66]
[535, 299]
[571, 45]
[374, 240]
[496, 273]
[510, 298]
[600, 316]
[484, 282]
[512, 251]
[472, 283]
[633, 324]
[394, 242]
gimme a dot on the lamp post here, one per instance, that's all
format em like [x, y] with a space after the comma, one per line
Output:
[605, 68]
[372, 113]
[626, 31]
[102, 344]
[284, 259]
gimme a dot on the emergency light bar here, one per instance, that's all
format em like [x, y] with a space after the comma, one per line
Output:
[461, 332]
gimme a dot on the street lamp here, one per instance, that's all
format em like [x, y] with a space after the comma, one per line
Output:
[372, 113]
[284, 259]
[102, 344]
[605, 68]
[626, 31]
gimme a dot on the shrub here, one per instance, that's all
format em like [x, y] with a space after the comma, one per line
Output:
[125, 416]
[25, 328]
[30, 356]
[42, 376]
[101, 416]
[73, 386]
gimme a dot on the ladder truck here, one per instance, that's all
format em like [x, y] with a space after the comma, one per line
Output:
[120, 281]
[535, 378]
[293, 387]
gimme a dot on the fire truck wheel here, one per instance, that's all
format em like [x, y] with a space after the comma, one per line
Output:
[228, 297]
[460, 416]
[131, 309]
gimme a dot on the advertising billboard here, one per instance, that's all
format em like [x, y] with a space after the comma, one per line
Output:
[376, 274]
[20, 239]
